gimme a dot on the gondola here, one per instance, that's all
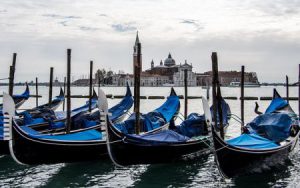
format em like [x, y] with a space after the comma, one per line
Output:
[81, 117]
[36, 113]
[53, 105]
[21, 98]
[188, 140]
[266, 141]
[30, 147]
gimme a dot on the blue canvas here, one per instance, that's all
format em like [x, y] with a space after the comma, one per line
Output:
[252, 141]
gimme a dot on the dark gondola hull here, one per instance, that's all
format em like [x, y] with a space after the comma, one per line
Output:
[4, 150]
[234, 161]
[128, 151]
[28, 150]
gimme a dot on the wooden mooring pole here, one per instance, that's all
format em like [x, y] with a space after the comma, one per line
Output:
[215, 84]
[287, 89]
[12, 70]
[91, 86]
[242, 96]
[68, 90]
[64, 102]
[50, 85]
[36, 92]
[185, 94]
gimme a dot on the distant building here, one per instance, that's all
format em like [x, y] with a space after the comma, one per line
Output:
[226, 77]
[174, 72]
[178, 77]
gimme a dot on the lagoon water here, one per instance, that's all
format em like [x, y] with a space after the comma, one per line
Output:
[199, 173]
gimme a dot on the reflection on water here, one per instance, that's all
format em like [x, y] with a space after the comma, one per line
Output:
[199, 173]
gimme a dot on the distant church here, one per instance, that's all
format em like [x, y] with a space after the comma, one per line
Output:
[174, 72]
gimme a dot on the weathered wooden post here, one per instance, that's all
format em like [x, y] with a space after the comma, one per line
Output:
[137, 77]
[91, 86]
[215, 84]
[185, 94]
[242, 96]
[36, 92]
[68, 91]
[64, 102]
[50, 85]
[287, 89]
[99, 81]
[12, 70]
[11, 81]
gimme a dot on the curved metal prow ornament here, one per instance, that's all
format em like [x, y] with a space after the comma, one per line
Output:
[9, 112]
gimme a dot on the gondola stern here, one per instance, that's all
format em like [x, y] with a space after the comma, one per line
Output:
[128, 90]
[61, 93]
[276, 94]
[173, 93]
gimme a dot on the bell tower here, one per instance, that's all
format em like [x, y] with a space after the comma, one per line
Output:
[135, 53]
[152, 64]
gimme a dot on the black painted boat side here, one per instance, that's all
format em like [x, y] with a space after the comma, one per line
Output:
[125, 150]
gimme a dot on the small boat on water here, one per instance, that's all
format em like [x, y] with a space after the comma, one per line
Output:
[21, 98]
[31, 147]
[36, 114]
[81, 117]
[266, 141]
[246, 84]
[189, 139]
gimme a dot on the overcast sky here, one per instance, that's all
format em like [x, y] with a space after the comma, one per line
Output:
[262, 35]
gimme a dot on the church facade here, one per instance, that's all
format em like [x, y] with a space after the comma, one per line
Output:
[173, 71]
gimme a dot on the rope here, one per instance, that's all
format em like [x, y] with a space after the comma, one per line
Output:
[115, 141]
[236, 116]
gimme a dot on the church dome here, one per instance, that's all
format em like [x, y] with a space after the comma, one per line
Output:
[169, 61]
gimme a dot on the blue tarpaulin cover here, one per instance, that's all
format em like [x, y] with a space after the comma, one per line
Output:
[169, 108]
[163, 136]
[118, 110]
[148, 122]
[194, 125]
[252, 141]
[154, 119]
[225, 112]
[276, 104]
[79, 136]
[275, 126]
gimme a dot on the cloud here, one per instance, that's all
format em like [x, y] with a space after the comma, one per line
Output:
[259, 34]
[85, 28]
[3, 11]
[61, 16]
[194, 23]
[63, 23]
[123, 27]
[103, 15]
